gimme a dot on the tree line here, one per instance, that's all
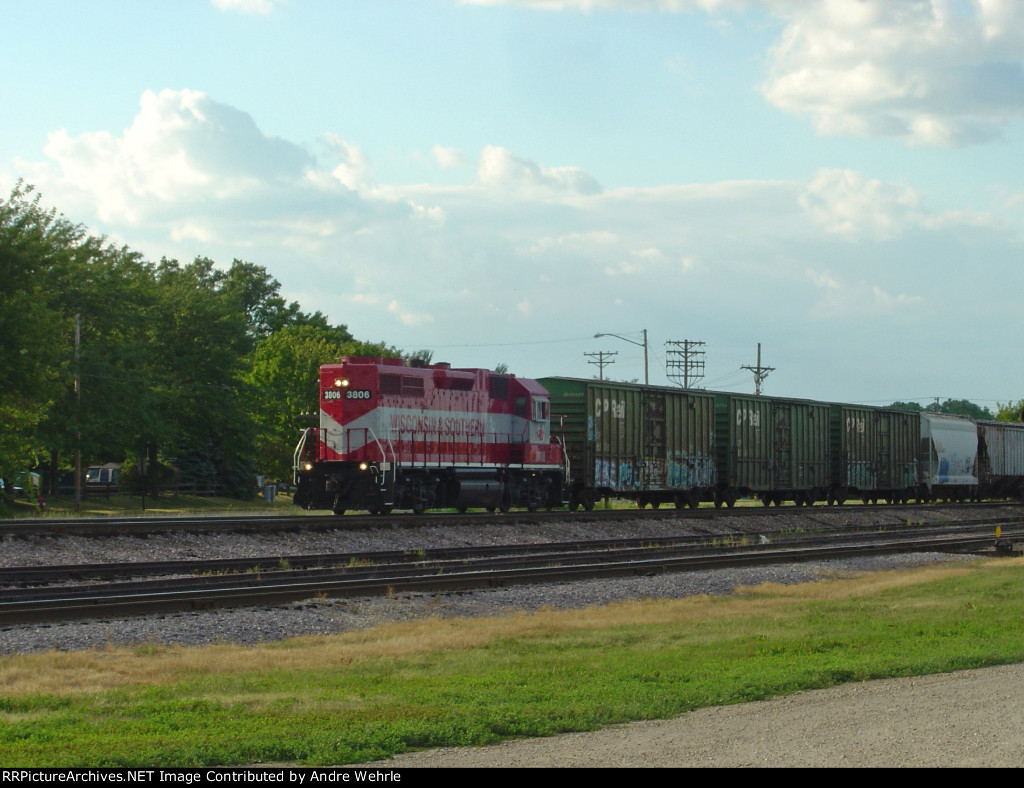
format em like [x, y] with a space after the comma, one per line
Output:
[172, 368]
[183, 370]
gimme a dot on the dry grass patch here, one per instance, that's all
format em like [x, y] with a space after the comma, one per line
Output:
[75, 673]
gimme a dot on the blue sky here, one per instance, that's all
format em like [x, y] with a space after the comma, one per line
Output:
[498, 181]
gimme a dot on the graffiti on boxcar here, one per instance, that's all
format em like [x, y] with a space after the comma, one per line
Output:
[616, 475]
[860, 474]
[628, 477]
[653, 474]
[691, 471]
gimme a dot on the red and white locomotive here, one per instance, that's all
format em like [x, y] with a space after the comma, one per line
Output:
[407, 435]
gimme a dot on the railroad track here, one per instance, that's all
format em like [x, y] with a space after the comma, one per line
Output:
[280, 579]
[116, 526]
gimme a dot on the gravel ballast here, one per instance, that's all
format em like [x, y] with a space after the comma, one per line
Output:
[321, 617]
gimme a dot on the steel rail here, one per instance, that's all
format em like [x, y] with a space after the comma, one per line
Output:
[36, 575]
[273, 588]
[116, 526]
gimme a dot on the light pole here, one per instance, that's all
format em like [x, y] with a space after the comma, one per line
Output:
[647, 379]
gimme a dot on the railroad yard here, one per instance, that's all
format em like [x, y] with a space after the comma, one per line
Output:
[323, 614]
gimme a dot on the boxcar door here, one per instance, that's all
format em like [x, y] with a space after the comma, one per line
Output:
[783, 447]
[654, 441]
[883, 467]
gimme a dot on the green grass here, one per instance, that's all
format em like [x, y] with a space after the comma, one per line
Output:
[362, 696]
[99, 505]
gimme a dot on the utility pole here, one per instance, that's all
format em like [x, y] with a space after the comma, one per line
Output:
[78, 416]
[603, 359]
[690, 368]
[760, 373]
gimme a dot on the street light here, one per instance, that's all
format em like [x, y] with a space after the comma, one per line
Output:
[647, 380]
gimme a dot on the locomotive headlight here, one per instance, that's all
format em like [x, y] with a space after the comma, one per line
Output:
[341, 383]
[363, 466]
[308, 466]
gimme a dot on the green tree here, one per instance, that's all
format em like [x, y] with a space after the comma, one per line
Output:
[1011, 411]
[32, 242]
[285, 385]
[915, 406]
[198, 346]
[955, 407]
[963, 407]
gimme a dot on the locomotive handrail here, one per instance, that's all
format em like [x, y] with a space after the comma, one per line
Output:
[299, 451]
[565, 457]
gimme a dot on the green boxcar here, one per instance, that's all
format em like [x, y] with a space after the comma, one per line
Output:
[651, 444]
[774, 448]
[875, 453]
[1001, 459]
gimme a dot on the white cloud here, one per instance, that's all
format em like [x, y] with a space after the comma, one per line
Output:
[847, 204]
[933, 72]
[262, 7]
[524, 253]
[940, 73]
[860, 301]
[182, 147]
[408, 318]
[447, 158]
[500, 170]
[354, 171]
[822, 280]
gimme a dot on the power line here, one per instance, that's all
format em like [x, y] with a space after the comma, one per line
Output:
[515, 344]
